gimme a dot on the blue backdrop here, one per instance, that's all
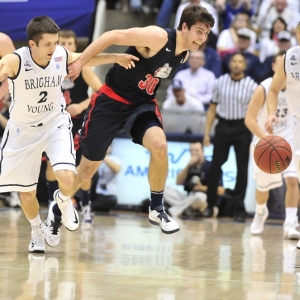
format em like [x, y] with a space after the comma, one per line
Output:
[68, 14]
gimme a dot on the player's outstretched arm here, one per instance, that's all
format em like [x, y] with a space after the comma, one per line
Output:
[256, 102]
[151, 37]
[278, 83]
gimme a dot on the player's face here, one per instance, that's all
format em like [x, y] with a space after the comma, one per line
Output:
[298, 34]
[197, 35]
[43, 52]
[68, 43]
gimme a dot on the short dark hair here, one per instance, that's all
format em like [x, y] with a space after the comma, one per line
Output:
[40, 25]
[238, 53]
[67, 33]
[193, 14]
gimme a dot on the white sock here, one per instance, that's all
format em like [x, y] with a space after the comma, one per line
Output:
[62, 196]
[290, 214]
[260, 208]
[36, 221]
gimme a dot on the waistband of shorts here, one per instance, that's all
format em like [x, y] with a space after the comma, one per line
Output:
[105, 89]
[231, 121]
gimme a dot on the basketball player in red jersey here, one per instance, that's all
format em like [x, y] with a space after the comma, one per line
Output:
[127, 99]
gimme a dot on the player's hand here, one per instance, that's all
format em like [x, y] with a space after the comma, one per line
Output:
[126, 60]
[206, 140]
[269, 124]
[74, 70]
[74, 109]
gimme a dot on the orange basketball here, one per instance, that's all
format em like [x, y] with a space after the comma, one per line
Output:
[273, 154]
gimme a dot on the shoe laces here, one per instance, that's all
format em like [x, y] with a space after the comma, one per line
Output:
[55, 225]
[37, 234]
[162, 215]
[67, 207]
[258, 218]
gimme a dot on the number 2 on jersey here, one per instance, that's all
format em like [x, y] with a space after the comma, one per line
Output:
[44, 95]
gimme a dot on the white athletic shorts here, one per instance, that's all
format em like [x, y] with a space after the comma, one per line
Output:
[21, 152]
[266, 182]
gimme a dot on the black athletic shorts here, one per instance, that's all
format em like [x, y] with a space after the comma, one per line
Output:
[109, 114]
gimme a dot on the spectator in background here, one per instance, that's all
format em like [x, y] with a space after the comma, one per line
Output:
[165, 12]
[105, 189]
[228, 9]
[194, 179]
[198, 81]
[228, 41]
[181, 100]
[270, 45]
[213, 61]
[284, 43]
[77, 100]
[253, 67]
[232, 94]
[204, 4]
[276, 8]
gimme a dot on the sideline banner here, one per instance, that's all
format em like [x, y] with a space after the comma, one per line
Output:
[133, 186]
[15, 15]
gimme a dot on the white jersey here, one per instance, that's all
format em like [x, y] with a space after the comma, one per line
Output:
[284, 127]
[292, 70]
[35, 91]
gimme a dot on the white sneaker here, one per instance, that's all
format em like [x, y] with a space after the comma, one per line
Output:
[37, 241]
[289, 230]
[87, 216]
[159, 217]
[69, 213]
[257, 225]
[53, 224]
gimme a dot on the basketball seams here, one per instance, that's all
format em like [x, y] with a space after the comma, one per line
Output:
[272, 149]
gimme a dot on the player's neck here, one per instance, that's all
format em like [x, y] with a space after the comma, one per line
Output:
[180, 43]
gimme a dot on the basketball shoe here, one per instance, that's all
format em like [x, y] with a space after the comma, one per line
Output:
[69, 213]
[257, 225]
[87, 216]
[159, 217]
[289, 230]
[37, 241]
[53, 224]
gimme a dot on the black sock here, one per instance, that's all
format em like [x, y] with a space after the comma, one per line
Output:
[85, 197]
[56, 210]
[156, 199]
[52, 186]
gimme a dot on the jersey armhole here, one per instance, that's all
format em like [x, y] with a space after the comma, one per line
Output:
[19, 69]
[67, 59]
[265, 93]
[284, 64]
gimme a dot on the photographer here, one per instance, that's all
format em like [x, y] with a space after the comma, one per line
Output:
[194, 179]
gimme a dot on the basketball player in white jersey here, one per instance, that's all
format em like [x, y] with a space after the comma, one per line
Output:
[255, 119]
[39, 122]
[287, 75]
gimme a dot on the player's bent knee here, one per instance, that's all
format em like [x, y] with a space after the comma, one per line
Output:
[27, 196]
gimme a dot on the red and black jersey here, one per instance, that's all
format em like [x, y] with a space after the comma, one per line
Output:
[139, 84]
